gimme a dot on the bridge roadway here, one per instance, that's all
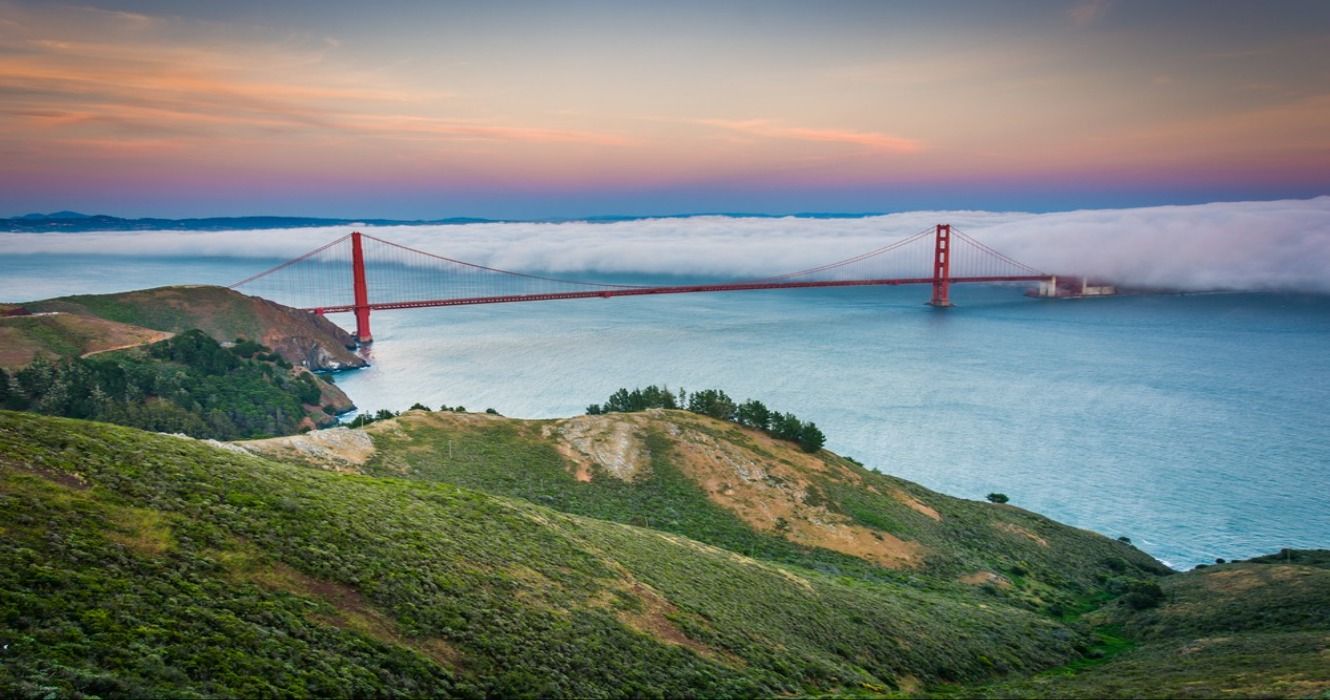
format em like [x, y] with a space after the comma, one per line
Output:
[680, 289]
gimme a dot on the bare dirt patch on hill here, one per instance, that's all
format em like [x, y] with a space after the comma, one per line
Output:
[915, 504]
[341, 450]
[615, 444]
[772, 494]
[1022, 532]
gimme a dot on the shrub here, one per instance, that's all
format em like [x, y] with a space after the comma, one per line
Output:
[997, 498]
[1142, 595]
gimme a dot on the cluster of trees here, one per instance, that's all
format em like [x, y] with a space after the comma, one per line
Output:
[186, 384]
[717, 404]
[363, 419]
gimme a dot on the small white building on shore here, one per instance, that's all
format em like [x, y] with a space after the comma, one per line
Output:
[1074, 288]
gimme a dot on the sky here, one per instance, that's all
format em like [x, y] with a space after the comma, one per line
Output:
[546, 110]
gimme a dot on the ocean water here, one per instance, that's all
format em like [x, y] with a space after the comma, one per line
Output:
[1196, 425]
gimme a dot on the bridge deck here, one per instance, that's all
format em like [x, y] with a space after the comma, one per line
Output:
[679, 289]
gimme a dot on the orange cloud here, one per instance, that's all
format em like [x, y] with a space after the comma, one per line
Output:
[72, 89]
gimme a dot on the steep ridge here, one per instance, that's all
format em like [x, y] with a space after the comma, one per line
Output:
[135, 564]
[302, 338]
[742, 490]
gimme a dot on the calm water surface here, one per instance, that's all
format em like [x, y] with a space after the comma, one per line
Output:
[1196, 425]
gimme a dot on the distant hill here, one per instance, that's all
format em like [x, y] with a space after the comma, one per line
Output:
[56, 215]
[301, 337]
[74, 222]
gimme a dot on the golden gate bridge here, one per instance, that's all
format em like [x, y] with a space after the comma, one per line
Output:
[359, 273]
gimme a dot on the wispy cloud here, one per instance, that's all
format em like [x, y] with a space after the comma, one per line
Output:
[444, 129]
[72, 90]
[765, 128]
[1088, 12]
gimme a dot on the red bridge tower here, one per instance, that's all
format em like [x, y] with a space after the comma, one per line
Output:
[361, 290]
[941, 267]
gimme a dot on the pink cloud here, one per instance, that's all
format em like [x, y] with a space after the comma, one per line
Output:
[767, 129]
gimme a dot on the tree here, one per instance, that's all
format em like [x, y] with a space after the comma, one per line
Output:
[712, 402]
[810, 438]
[753, 414]
[785, 426]
[998, 498]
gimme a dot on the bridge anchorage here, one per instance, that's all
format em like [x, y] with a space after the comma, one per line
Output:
[336, 277]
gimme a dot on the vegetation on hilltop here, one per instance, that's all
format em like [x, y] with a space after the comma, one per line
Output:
[186, 384]
[139, 564]
[716, 404]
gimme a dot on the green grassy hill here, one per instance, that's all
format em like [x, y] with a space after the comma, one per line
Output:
[302, 338]
[1236, 630]
[742, 490]
[144, 564]
[459, 554]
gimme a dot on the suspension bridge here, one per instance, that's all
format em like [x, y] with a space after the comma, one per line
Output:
[359, 273]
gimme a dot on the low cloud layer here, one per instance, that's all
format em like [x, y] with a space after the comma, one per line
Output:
[1281, 245]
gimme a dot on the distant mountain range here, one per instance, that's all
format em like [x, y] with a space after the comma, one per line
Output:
[74, 222]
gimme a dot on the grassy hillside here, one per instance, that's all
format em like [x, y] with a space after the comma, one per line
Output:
[1236, 630]
[140, 564]
[302, 338]
[742, 490]
[59, 335]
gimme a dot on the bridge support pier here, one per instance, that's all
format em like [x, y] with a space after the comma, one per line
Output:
[942, 267]
[363, 335]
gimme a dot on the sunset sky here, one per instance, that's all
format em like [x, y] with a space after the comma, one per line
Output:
[530, 110]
